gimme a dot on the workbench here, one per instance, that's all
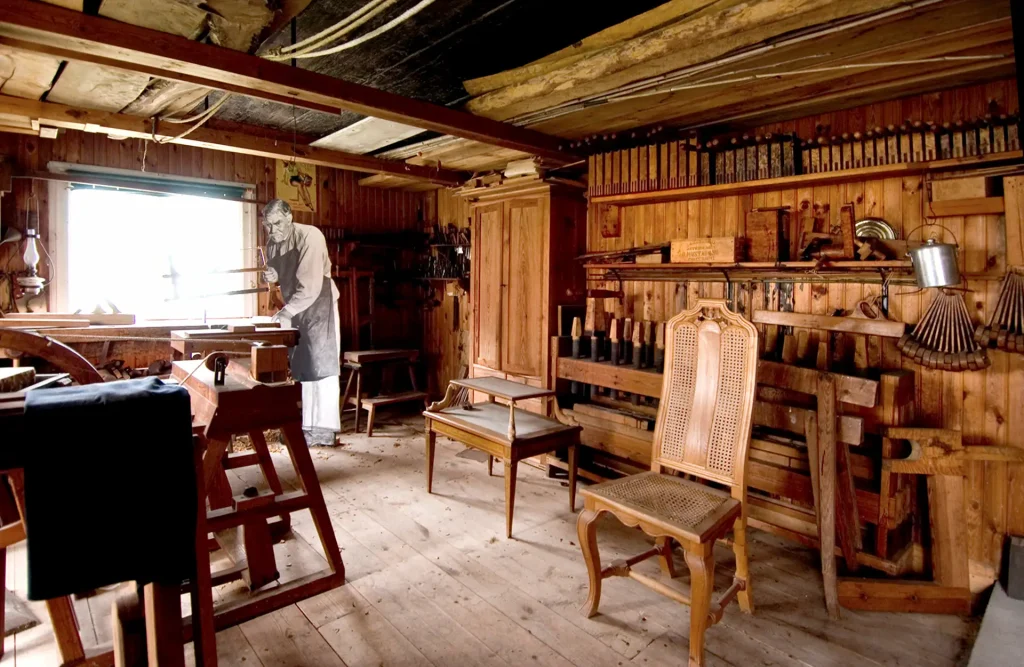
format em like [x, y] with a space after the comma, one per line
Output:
[505, 431]
[355, 361]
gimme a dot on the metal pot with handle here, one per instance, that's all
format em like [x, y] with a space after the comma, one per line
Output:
[935, 263]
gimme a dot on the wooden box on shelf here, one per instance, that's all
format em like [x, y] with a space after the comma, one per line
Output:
[707, 250]
[767, 234]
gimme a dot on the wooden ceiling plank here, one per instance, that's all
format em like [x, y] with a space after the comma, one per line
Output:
[57, 115]
[89, 38]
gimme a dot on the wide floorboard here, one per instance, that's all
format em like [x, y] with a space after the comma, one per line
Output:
[433, 581]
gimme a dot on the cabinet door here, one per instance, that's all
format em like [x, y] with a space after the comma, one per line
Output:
[525, 275]
[487, 293]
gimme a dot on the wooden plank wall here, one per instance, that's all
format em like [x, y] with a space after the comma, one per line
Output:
[985, 405]
[343, 202]
[447, 325]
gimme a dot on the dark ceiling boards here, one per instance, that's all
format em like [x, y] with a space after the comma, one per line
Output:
[429, 56]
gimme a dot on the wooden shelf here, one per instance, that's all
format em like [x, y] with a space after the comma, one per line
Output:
[806, 180]
[899, 272]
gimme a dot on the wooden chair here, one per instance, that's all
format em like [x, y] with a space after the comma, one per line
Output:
[702, 430]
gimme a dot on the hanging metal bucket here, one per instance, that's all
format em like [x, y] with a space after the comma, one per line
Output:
[935, 263]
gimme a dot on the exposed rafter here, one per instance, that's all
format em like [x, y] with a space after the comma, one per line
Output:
[57, 115]
[76, 36]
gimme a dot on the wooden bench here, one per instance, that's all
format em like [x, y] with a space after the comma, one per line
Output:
[371, 404]
[502, 431]
[355, 361]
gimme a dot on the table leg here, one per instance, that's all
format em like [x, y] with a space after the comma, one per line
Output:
[430, 438]
[511, 467]
[359, 398]
[572, 477]
[490, 465]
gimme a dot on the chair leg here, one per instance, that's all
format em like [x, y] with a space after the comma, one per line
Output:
[430, 437]
[572, 477]
[668, 566]
[739, 547]
[586, 529]
[702, 582]
[511, 468]
[490, 465]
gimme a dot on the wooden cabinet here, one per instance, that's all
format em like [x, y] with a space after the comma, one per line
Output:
[526, 237]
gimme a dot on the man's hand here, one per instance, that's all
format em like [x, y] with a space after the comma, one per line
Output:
[283, 317]
[270, 275]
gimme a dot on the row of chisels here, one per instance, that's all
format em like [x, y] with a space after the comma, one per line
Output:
[619, 341]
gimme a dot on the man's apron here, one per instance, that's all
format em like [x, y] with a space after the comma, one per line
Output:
[317, 355]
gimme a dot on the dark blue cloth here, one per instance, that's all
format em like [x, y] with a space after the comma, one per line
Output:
[110, 491]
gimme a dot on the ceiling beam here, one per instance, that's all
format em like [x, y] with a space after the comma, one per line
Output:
[76, 36]
[104, 122]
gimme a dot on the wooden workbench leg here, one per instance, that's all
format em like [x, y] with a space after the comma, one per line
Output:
[490, 465]
[511, 468]
[370, 414]
[573, 467]
[163, 625]
[430, 438]
[949, 530]
[303, 464]
[65, 629]
[821, 449]
[204, 635]
[259, 445]
[61, 611]
[359, 398]
[702, 580]
[412, 377]
[348, 390]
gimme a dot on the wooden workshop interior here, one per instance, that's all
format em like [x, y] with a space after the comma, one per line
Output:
[724, 298]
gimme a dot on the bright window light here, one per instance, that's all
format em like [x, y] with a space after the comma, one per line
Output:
[122, 244]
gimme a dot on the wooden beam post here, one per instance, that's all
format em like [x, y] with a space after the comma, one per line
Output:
[58, 115]
[73, 35]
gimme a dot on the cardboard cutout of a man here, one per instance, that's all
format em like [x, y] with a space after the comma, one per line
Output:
[297, 259]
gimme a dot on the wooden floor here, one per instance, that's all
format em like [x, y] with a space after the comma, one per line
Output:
[433, 581]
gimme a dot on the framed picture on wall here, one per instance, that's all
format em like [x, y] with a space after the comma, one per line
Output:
[296, 184]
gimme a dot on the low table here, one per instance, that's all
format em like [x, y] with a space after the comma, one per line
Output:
[500, 430]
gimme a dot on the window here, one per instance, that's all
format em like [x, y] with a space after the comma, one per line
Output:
[157, 256]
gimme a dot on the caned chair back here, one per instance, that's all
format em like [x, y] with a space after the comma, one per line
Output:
[707, 395]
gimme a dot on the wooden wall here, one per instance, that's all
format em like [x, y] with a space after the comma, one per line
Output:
[447, 325]
[343, 203]
[986, 405]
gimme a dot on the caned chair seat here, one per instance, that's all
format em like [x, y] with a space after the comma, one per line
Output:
[687, 509]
